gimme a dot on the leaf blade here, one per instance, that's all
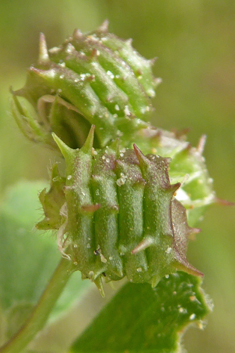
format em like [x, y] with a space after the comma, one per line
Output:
[141, 319]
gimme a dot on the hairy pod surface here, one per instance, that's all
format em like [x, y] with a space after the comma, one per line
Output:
[118, 216]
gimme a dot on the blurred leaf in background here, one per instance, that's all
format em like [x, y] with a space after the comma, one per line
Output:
[27, 260]
[194, 43]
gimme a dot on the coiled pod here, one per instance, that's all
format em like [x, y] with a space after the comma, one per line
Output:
[117, 214]
[100, 79]
[119, 210]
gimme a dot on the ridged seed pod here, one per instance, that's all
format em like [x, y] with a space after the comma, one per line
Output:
[119, 210]
[95, 78]
[99, 79]
[118, 215]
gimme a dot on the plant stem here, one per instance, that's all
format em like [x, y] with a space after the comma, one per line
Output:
[41, 312]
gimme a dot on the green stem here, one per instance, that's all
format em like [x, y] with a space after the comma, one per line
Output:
[41, 312]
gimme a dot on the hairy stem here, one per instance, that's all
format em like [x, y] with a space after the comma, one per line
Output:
[41, 312]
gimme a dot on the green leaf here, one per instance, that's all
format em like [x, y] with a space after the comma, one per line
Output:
[28, 257]
[142, 319]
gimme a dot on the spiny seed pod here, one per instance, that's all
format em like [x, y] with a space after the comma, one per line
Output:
[116, 214]
[95, 78]
[100, 79]
[187, 167]
[119, 211]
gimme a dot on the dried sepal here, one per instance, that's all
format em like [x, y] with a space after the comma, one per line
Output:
[53, 201]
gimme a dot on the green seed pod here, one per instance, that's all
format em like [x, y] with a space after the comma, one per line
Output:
[118, 214]
[119, 211]
[187, 167]
[100, 79]
[95, 78]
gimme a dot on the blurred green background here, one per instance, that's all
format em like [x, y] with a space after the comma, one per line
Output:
[194, 42]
